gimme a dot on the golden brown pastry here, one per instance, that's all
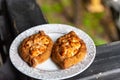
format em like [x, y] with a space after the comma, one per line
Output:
[36, 48]
[68, 50]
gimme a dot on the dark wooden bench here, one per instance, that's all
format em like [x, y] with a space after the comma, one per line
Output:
[17, 16]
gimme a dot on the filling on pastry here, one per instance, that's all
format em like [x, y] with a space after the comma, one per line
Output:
[69, 46]
[37, 45]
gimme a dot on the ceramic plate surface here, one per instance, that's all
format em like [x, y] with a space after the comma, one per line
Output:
[48, 69]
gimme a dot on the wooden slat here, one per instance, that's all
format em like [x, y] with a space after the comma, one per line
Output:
[105, 65]
[24, 14]
[19, 15]
[5, 37]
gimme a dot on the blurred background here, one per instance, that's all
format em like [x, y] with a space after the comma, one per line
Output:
[95, 17]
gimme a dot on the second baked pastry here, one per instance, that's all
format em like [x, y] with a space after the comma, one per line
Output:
[68, 50]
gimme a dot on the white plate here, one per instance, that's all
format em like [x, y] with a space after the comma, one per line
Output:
[49, 70]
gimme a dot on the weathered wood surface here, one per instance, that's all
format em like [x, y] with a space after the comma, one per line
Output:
[23, 14]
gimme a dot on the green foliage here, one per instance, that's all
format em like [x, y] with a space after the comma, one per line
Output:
[93, 27]
[51, 11]
[51, 8]
[66, 2]
[91, 21]
[99, 41]
[57, 8]
[46, 8]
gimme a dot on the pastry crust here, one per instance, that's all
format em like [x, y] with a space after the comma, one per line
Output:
[36, 48]
[68, 50]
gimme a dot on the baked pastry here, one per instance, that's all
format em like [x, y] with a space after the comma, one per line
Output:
[68, 50]
[36, 48]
